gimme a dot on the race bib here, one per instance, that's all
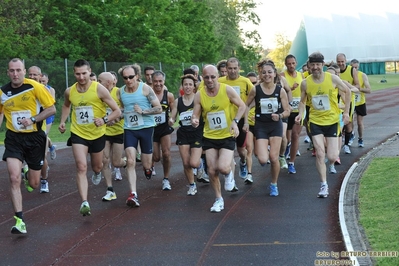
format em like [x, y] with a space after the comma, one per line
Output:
[217, 120]
[108, 111]
[84, 115]
[268, 105]
[295, 104]
[321, 102]
[237, 89]
[17, 116]
[185, 118]
[133, 119]
[358, 97]
[160, 118]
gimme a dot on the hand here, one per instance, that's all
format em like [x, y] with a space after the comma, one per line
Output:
[298, 119]
[234, 130]
[171, 122]
[62, 128]
[195, 122]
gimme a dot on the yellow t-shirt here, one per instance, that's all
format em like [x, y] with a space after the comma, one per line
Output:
[360, 97]
[296, 94]
[85, 107]
[323, 98]
[242, 85]
[117, 128]
[23, 102]
[216, 114]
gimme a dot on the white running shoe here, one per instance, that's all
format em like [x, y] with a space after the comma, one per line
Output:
[323, 191]
[230, 183]
[153, 171]
[192, 190]
[166, 184]
[44, 186]
[110, 195]
[331, 169]
[96, 178]
[118, 175]
[218, 206]
[347, 150]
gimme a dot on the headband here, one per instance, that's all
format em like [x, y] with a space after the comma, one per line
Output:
[316, 60]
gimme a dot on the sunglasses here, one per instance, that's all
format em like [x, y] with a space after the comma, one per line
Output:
[209, 77]
[129, 77]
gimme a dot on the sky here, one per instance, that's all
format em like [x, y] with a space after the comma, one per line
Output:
[284, 17]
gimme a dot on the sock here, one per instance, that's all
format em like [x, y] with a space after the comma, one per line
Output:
[203, 157]
[243, 163]
[323, 183]
[193, 184]
[347, 137]
[291, 163]
[273, 184]
[134, 193]
[110, 189]
[165, 178]
[19, 215]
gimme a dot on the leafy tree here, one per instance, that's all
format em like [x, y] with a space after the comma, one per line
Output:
[283, 46]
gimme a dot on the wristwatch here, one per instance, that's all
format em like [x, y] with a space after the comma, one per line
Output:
[105, 118]
[236, 121]
[33, 119]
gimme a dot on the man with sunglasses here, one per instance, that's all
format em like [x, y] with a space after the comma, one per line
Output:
[86, 98]
[140, 104]
[220, 129]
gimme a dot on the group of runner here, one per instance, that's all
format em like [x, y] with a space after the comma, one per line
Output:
[218, 112]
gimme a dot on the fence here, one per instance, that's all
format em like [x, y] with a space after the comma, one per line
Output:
[61, 75]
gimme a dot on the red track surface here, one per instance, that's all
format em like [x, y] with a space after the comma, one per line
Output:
[171, 228]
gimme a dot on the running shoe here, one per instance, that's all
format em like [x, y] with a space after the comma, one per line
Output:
[268, 161]
[323, 193]
[53, 153]
[230, 183]
[287, 150]
[132, 201]
[337, 161]
[331, 169]
[249, 180]
[283, 162]
[166, 184]
[24, 175]
[307, 139]
[273, 191]
[218, 206]
[138, 157]
[310, 148]
[85, 209]
[148, 173]
[96, 178]
[298, 153]
[347, 150]
[291, 168]
[153, 171]
[313, 152]
[19, 227]
[202, 177]
[243, 170]
[192, 190]
[351, 139]
[360, 143]
[195, 171]
[44, 186]
[118, 175]
[109, 195]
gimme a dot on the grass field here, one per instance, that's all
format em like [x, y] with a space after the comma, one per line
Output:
[379, 206]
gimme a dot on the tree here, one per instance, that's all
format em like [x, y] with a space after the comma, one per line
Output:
[283, 46]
